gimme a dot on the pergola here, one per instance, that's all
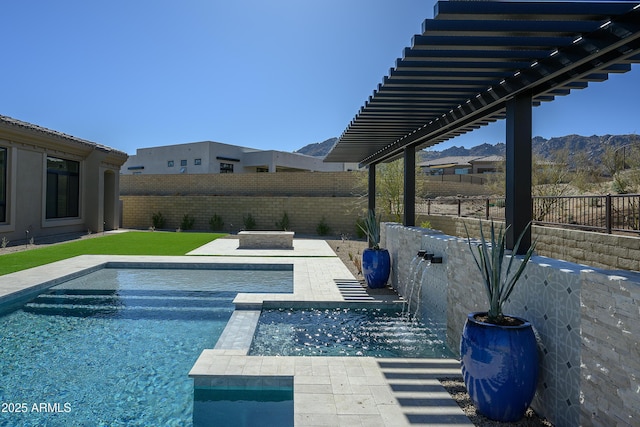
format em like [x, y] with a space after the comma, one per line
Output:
[480, 61]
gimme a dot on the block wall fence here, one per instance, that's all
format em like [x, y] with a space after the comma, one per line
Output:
[587, 322]
[304, 213]
[330, 184]
[307, 197]
[600, 250]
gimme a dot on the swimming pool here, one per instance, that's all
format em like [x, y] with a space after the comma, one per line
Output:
[114, 347]
[345, 332]
[228, 406]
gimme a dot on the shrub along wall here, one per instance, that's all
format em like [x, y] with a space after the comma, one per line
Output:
[304, 213]
[308, 199]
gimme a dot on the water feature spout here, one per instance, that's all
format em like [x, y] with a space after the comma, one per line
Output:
[416, 281]
[417, 276]
[420, 284]
[412, 279]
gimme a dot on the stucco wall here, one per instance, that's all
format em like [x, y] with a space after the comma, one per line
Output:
[586, 322]
[26, 186]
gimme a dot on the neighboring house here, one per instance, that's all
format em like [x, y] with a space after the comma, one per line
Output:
[461, 165]
[208, 157]
[487, 164]
[53, 183]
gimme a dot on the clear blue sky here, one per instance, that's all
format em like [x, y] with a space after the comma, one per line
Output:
[275, 74]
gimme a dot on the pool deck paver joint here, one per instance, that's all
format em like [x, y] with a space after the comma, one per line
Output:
[328, 391]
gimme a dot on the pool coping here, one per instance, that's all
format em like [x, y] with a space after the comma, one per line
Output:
[327, 390]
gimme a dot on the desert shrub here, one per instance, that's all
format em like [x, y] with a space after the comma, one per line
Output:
[249, 222]
[283, 224]
[157, 220]
[323, 228]
[187, 222]
[216, 223]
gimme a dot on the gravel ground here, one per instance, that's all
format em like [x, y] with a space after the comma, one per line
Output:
[457, 390]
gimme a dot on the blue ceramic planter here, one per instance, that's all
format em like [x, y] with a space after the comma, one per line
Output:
[500, 367]
[376, 266]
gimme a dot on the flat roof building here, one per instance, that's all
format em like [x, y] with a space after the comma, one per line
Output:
[209, 157]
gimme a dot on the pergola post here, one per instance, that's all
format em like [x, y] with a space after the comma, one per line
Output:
[372, 188]
[409, 186]
[518, 203]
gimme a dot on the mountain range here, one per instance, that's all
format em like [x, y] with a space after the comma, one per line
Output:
[318, 149]
[595, 145]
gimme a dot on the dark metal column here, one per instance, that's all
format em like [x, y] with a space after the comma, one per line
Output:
[372, 187]
[409, 186]
[518, 208]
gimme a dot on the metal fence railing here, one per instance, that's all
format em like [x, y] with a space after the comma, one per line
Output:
[606, 213]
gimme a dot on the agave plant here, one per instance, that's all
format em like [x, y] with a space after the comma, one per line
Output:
[371, 227]
[499, 283]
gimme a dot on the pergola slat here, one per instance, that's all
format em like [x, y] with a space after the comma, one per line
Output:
[474, 56]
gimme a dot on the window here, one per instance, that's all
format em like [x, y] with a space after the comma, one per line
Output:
[183, 163]
[170, 164]
[262, 170]
[197, 162]
[226, 167]
[63, 188]
[3, 184]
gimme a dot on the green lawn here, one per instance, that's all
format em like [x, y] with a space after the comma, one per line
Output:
[130, 243]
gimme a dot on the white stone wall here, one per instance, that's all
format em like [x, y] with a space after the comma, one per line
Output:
[610, 362]
[587, 323]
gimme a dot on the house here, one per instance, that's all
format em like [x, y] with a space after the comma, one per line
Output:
[209, 157]
[53, 183]
[487, 164]
[461, 165]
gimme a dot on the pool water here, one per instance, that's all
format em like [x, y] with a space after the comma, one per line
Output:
[114, 347]
[242, 407]
[345, 332]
